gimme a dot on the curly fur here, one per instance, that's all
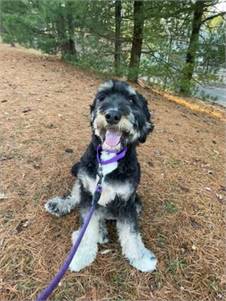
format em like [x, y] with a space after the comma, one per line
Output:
[119, 200]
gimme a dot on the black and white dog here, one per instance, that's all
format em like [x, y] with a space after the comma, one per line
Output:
[119, 118]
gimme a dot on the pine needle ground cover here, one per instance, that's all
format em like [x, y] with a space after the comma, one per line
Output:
[44, 128]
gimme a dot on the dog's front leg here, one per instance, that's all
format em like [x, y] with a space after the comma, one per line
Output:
[60, 206]
[87, 249]
[132, 245]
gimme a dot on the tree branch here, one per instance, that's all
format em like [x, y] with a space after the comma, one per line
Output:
[168, 64]
[213, 16]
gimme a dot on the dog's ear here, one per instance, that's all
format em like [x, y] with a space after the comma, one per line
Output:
[148, 124]
[147, 129]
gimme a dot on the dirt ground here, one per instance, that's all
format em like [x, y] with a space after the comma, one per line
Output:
[44, 129]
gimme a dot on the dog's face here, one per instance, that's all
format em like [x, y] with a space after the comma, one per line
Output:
[119, 115]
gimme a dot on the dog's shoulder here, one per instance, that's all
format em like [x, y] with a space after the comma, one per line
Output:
[88, 162]
[75, 169]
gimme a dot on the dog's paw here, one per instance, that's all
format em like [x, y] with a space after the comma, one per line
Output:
[146, 263]
[57, 207]
[103, 239]
[103, 234]
[85, 255]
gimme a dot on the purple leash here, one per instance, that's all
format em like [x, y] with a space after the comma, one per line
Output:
[60, 274]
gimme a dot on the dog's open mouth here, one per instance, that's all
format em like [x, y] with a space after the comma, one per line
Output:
[112, 140]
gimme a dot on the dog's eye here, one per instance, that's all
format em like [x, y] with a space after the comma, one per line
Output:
[101, 98]
[131, 100]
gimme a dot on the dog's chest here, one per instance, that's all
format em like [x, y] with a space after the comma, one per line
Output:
[108, 168]
[109, 189]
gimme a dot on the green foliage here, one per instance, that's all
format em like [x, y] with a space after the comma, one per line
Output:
[175, 265]
[83, 32]
[170, 207]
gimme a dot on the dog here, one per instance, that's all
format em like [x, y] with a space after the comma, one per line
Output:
[119, 118]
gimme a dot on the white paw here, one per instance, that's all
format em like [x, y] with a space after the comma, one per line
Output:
[54, 206]
[85, 255]
[103, 235]
[103, 240]
[58, 206]
[146, 263]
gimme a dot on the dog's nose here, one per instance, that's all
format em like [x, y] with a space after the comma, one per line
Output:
[113, 117]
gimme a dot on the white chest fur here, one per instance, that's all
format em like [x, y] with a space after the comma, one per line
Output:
[108, 167]
[109, 189]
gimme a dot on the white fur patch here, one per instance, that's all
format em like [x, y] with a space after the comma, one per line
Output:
[105, 86]
[148, 125]
[134, 250]
[87, 249]
[109, 190]
[131, 90]
[75, 193]
[88, 182]
[108, 167]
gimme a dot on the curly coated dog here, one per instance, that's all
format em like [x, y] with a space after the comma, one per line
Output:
[119, 118]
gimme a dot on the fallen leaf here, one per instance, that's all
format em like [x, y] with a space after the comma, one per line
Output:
[105, 251]
[3, 196]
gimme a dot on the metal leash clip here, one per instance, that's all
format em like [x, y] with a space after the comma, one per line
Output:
[100, 171]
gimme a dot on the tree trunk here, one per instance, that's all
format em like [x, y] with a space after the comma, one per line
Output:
[70, 24]
[137, 40]
[188, 69]
[65, 31]
[118, 19]
[61, 33]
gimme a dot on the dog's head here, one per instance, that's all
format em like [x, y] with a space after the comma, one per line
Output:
[120, 115]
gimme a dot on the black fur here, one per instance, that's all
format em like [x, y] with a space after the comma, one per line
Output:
[128, 168]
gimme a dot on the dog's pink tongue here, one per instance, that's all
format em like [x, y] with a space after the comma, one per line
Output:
[112, 138]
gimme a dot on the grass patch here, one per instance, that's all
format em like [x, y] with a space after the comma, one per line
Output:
[170, 207]
[175, 265]
[161, 240]
[173, 162]
[118, 279]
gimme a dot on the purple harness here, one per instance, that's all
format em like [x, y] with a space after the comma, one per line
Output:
[60, 274]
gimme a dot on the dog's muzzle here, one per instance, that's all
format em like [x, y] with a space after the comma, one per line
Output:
[114, 128]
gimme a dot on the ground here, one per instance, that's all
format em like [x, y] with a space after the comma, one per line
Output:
[44, 129]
